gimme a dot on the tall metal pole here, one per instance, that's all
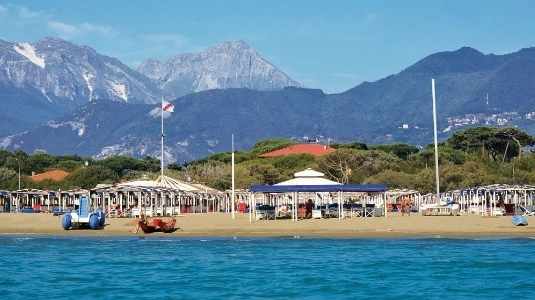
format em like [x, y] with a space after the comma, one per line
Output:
[161, 163]
[436, 139]
[232, 200]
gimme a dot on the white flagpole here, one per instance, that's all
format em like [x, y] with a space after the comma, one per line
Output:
[436, 139]
[161, 165]
[233, 204]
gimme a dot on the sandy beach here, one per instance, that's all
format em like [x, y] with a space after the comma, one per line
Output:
[222, 224]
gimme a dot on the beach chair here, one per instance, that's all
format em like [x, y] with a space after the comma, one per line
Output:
[332, 211]
[347, 211]
[270, 212]
[369, 209]
[525, 211]
[358, 210]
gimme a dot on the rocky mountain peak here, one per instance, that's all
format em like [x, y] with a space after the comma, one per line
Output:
[231, 64]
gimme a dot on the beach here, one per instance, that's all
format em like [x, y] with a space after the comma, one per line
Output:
[222, 224]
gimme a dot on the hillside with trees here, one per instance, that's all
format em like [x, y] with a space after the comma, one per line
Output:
[473, 157]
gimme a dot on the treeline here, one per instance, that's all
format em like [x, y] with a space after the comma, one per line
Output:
[17, 167]
[473, 157]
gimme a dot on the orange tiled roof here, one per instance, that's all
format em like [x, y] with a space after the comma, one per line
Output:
[56, 175]
[314, 149]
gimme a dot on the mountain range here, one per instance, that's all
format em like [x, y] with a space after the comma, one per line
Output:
[42, 80]
[230, 90]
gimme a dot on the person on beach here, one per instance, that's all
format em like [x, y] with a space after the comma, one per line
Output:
[501, 202]
[309, 207]
[142, 219]
[405, 206]
[301, 211]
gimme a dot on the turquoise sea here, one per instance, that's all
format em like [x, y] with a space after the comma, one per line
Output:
[161, 267]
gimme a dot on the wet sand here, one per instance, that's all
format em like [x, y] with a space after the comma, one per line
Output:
[222, 224]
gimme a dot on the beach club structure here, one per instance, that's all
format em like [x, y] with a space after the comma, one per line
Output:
[164, 196]
[168, 196]
[331, 199]
[488, 200]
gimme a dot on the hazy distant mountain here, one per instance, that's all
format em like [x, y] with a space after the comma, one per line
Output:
[202, 123]
[223, 66]
[42, 80]
[397, 108]
[467, 83]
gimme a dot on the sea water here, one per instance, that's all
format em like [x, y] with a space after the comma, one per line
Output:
[162, 267]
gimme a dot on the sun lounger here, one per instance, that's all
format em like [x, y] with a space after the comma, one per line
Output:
[497, 211]
[28, 210]
[525, 211]
[57, 213]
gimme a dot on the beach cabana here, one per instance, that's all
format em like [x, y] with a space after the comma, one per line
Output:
[311, 177]
[163, 196]
[393, 196]
[5, 196]
[310, 181]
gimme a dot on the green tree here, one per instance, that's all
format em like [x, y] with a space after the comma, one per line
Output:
[5, 156]
[121, 164]
[492, 141]
[39, 162]
[340, 164]
[174, 166]
[271, 145]
[88, 177]
[152, 164]
[263, 174]
[352, 145]
[20, 157]
[68, 165]
[401, 150]
[8, 179]
[520, 139]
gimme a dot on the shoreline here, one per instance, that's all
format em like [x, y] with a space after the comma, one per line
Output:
[222, 225]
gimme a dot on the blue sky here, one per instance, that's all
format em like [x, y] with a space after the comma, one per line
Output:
[332, 45]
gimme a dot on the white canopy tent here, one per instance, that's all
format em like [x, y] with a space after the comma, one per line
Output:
[164, 196]
[310, 177]
[309, 181]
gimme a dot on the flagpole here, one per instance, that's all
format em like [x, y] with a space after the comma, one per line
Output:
[161, 165]
[166, 106]
[437, 177]
[233, 204]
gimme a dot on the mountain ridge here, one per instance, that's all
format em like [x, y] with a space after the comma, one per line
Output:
[396, 108]
[54, 76]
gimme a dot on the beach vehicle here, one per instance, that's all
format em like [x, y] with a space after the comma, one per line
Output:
[519, 220]
[83, 217]
[158, 225]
